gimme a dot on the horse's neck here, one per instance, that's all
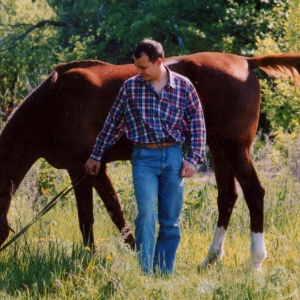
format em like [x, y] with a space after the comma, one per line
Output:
[16, 155]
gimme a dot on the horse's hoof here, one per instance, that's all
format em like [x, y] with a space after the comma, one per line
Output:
[211, 257]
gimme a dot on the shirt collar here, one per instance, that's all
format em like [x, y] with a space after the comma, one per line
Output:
[171, 81]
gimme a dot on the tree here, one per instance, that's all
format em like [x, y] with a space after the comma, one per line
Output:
[26, 38]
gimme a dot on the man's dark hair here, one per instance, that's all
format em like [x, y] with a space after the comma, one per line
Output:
[151, 48]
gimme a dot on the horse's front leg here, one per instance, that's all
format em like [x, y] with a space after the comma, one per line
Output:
[227, 196]
[106, 191]
[84, 199]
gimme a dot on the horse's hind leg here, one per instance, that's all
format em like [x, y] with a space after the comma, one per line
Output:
[106, 191]
[227, 196]
[245, 173]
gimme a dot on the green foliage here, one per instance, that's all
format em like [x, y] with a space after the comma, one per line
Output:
[46, 182]
[26, 51]
[281, 105]
[293, 27]
[245, 21]
[280, 98]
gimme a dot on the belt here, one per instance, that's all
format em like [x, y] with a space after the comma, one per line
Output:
[155, 145]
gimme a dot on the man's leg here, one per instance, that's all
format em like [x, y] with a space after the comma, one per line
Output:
[170, 202]
[145, 170]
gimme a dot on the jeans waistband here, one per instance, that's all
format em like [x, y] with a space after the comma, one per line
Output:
[155, 145]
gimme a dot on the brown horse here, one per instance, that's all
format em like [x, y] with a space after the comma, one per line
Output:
[61, 118]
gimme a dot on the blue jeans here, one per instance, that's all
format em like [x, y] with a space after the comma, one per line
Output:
[159, 195]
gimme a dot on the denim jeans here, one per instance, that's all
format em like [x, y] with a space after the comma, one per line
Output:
[159, 195]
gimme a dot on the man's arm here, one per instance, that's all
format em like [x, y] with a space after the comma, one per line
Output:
[110, 133]
[197, 133]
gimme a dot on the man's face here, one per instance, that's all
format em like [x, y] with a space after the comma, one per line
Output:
[148, 70]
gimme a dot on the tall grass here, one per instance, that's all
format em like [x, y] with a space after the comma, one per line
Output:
[50, 262]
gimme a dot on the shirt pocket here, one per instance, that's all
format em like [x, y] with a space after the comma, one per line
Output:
[171, 115]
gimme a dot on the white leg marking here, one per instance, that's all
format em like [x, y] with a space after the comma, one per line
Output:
[258, 249]
[215, 251]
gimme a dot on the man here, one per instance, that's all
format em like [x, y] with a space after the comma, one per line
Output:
[158, 110]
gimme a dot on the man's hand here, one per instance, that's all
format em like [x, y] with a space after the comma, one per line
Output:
[188, 169]
[92, 167]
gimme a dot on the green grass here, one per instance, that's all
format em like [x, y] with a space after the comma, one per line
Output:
[49, 261]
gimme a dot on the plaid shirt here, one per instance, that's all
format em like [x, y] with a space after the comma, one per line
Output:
[175, 115]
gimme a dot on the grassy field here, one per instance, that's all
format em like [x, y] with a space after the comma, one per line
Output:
[49, 261]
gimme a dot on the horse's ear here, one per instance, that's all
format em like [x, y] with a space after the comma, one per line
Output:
[54, 77]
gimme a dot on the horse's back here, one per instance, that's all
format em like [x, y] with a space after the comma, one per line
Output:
[229, 92]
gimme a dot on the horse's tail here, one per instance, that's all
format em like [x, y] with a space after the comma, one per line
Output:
[278, 65]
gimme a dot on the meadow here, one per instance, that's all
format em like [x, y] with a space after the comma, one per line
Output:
[50, 262]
